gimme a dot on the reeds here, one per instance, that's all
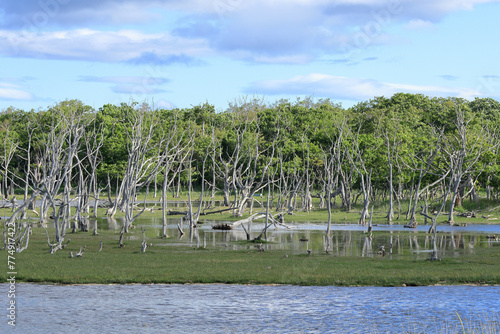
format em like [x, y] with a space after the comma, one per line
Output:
[487, 323]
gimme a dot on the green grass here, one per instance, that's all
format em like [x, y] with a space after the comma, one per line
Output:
[175, 263]
[488, 208]
[187, 264]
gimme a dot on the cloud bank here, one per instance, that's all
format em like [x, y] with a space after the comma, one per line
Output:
[277, 31]
[344, 88]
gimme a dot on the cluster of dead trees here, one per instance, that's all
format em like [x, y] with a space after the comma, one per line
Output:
[278, 157]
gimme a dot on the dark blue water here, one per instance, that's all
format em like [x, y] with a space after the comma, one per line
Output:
[251, 309]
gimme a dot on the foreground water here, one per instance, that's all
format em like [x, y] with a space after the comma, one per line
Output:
[251, 309]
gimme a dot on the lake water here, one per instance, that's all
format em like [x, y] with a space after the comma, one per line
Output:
[251, 309]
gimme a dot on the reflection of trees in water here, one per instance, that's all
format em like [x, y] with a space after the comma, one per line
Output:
[341, 243]
[112, 223]
[354, 243]
[367, 247]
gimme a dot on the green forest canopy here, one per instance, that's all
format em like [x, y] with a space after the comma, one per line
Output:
[286, 140]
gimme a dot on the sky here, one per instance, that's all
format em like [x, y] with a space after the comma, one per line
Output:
[182, 53]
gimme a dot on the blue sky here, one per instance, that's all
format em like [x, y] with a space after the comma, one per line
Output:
[181, 53]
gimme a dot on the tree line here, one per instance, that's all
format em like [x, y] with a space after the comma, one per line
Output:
[429, 152]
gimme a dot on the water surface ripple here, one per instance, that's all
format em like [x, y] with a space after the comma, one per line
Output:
[248, 309]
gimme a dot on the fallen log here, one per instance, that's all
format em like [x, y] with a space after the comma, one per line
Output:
[213, 212]
[467, 214]
[175, 213]
[183, 213]
[412, 224]
[248, 220]
[222, 226]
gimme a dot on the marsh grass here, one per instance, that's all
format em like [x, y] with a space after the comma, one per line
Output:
[167, 261]
[458, 324]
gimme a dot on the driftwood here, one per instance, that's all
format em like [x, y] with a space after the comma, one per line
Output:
[104, 204]
[121, 239]
[248, 220]
[467, 214]
[179, 227]
[412, 224]
[80, 253]
[144, 245]
[213, 212]
[175, 213]
[184, 213]
[279, 221]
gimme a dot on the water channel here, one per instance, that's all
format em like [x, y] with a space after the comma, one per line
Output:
[252, 309]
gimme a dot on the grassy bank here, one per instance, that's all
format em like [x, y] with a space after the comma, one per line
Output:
[167, 262]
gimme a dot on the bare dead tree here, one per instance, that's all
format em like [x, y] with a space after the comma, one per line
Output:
[192, 216]
[425, 164]
[464, 150]
[145, 157]
[175, 153]
[80, 222]
[247, 178]
[27, 172]
[225, 158]
[58, 158]
[331, 164]
[8, 150]
[94, 139]
[307, 204]
[356, 158]
[392, 144]
[292, 182]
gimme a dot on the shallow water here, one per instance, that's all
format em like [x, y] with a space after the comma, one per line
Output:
[249, 309]
[346, 239]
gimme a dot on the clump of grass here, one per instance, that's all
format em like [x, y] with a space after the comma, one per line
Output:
[476, 324]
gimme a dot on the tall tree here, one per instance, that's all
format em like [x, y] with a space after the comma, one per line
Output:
[145, 147]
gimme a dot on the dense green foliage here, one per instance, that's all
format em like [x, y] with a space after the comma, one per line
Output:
[286, 141]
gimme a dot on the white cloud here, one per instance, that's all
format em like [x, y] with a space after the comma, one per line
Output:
[39, 14]
[419, 24]
[12, 92]
[94, 45]
[228, 7]
[344, 88]
[132, 85]
[272, 31]
[268, 31]
[130, 80]
[136, 89]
